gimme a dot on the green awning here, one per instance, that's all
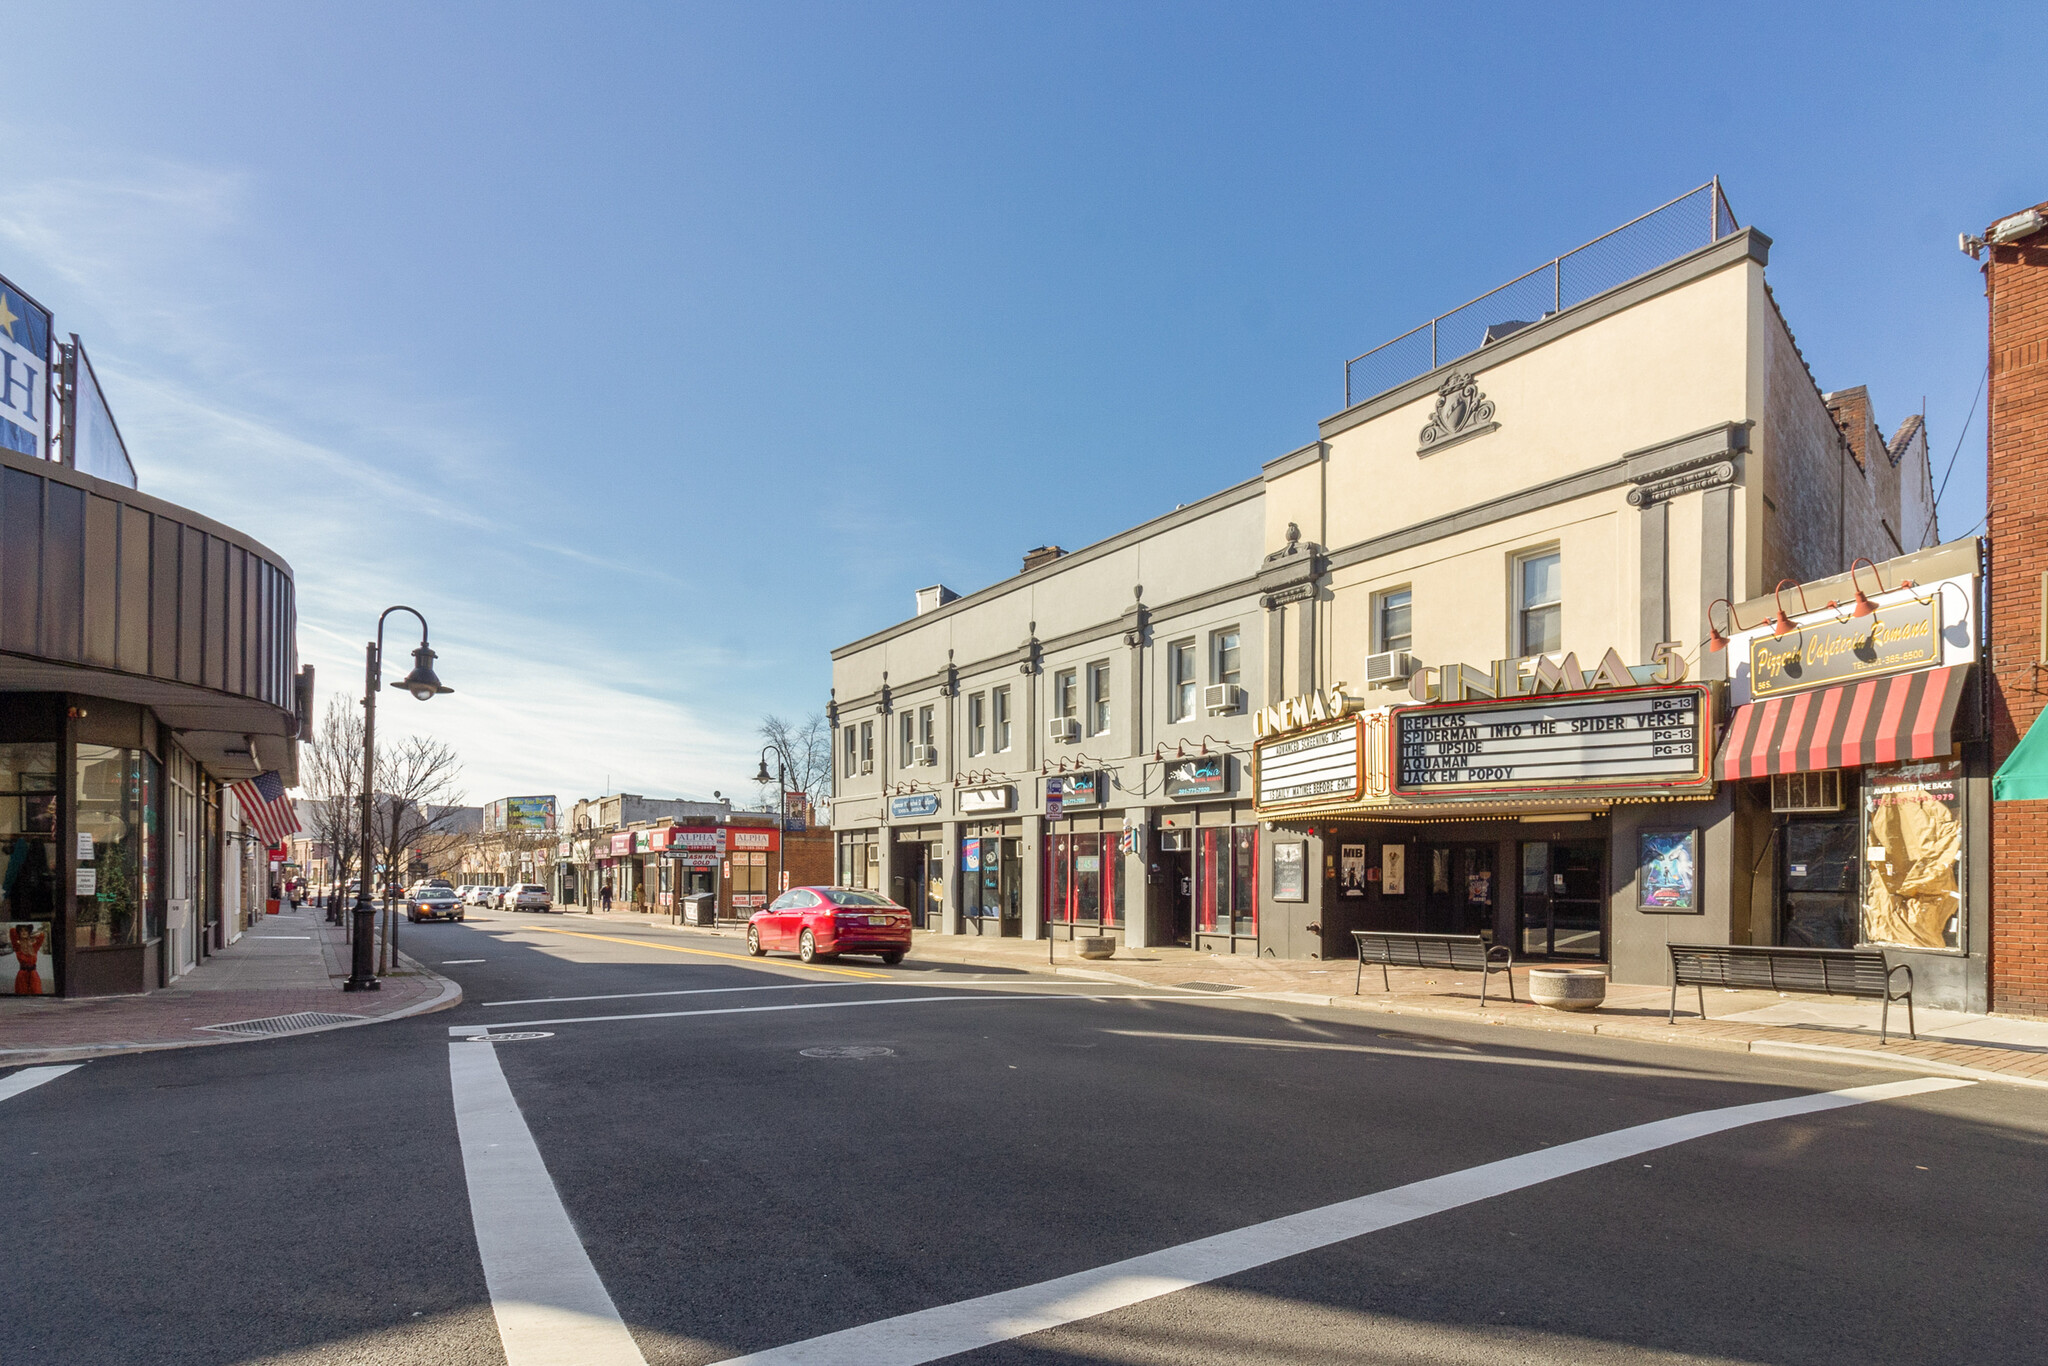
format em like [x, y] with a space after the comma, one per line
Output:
[2023, 777]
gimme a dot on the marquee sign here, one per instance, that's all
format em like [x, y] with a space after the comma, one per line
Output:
[1317, 766]
[1644, 737]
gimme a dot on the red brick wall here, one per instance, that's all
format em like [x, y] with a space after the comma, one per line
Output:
[2016, 279]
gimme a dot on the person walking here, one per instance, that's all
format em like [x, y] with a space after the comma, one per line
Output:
[605, 898]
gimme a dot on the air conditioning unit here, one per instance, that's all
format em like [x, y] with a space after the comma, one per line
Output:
[924, 756]
[1063, 730]
[1222, 699]
[1819, 791]
[1388, 670]
[867, 766]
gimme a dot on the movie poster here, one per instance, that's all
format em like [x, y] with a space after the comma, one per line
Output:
[1393, 870]
[1351, 869]
[1667, 870]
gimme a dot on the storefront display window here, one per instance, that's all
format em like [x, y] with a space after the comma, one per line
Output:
[117, 815]
[1087, 880]
[28, 891]
[1226, 879]
[1913, 855]
[992, 879]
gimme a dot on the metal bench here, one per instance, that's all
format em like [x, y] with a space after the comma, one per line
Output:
[1828, 972]
[1455, 952]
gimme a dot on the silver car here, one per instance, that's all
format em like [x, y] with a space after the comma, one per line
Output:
[528, 896]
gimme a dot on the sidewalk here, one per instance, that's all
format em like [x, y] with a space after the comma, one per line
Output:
[282, 977]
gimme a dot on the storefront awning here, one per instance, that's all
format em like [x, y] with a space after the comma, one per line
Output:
[1876, 721]
[2023, 777]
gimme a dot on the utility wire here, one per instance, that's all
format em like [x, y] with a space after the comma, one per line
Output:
[1934, 511]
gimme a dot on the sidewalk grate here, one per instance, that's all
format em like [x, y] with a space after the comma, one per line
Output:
[285, 1024]
[1206, 986]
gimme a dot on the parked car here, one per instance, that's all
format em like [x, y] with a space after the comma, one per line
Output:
[432, 901]
[527, 896]
[476, 894]
[824, 922]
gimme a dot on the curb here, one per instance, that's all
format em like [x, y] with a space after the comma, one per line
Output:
[449, 997]
[1620, 1030]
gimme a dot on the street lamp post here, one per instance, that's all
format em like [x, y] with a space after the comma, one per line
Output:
[422, 684]
[782, 798]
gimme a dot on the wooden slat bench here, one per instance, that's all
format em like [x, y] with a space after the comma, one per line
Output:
[1827, 972]
[1454, 952]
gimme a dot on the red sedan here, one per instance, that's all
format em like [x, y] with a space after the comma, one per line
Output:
[824, 922]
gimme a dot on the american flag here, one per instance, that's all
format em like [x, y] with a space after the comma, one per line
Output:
[263, 802]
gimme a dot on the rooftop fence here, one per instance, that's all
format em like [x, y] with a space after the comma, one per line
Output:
[1695, 219]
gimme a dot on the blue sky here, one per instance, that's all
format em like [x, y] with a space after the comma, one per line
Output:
[653, 350]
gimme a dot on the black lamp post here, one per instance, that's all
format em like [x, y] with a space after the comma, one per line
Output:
[422, 684]
[782, 799]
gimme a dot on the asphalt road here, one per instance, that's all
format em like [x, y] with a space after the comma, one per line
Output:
[310, 1200]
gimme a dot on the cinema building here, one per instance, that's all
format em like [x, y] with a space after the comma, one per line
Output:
[148, 659]
[1475, 628]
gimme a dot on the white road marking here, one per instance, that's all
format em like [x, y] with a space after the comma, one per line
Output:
[458, 962]
[930, 1334]
[280, 936]
[805, 1005]
[551, 1308]
[714, 991]
[28, 1078]
[1425, 1053]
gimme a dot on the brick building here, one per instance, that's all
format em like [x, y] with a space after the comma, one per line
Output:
[2015, 255]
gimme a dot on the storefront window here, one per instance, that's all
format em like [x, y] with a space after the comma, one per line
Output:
[28, 892]
[117, 812]
[1087, 882]
[992, 878]
[1913, 855]
[1226, 880]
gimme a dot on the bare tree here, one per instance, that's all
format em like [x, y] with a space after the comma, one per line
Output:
[331, 770]
[806, 753]
[417, 798]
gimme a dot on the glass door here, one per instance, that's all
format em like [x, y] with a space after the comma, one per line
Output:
[1458, 889]
[1563, 899]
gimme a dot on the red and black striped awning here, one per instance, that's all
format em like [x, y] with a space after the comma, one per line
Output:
[1877, 721]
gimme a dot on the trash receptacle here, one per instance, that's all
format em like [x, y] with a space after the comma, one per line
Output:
[700, 908]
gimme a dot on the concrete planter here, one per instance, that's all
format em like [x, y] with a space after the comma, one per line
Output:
[1568, 988]
[1096, 947]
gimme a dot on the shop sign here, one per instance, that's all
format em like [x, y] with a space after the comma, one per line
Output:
[581, 853]
[1538, 674]
[1204, 775]
[1309, 709]
[622, 843]
[696, 839]
[749, 900]
[1588, 741]
[562, 850]
[696, 858]
[1889, 640]
[908, 808]
[24, 382]
[643, 841]
[1319, 766]
[981, 801]
[1082, 789]
[751, 839]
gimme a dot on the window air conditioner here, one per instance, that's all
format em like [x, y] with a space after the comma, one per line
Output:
[1388, 670]
[867, 766]
[1063, 730]
[1222, 699]
[924, 756]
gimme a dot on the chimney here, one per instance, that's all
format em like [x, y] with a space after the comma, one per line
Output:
[933, 598]
[1045, 554]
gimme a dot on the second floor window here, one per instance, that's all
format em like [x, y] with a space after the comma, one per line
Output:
[867, 744]
[1066, 700]
[926, 731]
[999, 706]
[1539, 603]
[906, 738]
[851, 764]
[1226, 657]
[1180, 680]
[977, 724]
[1393, 625]
[1098, 698]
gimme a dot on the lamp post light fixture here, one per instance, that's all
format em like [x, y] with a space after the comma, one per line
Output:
[424, 686]
[782, 798]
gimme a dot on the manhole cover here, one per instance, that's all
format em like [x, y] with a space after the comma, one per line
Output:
[507, 1038]
[851, 1050]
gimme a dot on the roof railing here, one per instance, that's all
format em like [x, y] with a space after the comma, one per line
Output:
[1636, 248]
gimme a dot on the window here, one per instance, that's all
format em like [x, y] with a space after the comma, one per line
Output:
[851, 764]
[1000, 708]
[1226, 657]
[1098, 698]
[977, 724]
[925, 729]
[906, 738]
[1393, 621]
[1539, 596]
[1065, 695]
[1086, 883]
[1180, 680]
[867, 744]
[1226, 880]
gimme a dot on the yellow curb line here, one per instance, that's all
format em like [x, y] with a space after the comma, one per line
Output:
[706, 953]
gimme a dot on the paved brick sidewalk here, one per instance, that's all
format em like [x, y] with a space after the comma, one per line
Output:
[291, 964]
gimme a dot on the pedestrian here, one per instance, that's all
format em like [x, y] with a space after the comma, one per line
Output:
[605, 898]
